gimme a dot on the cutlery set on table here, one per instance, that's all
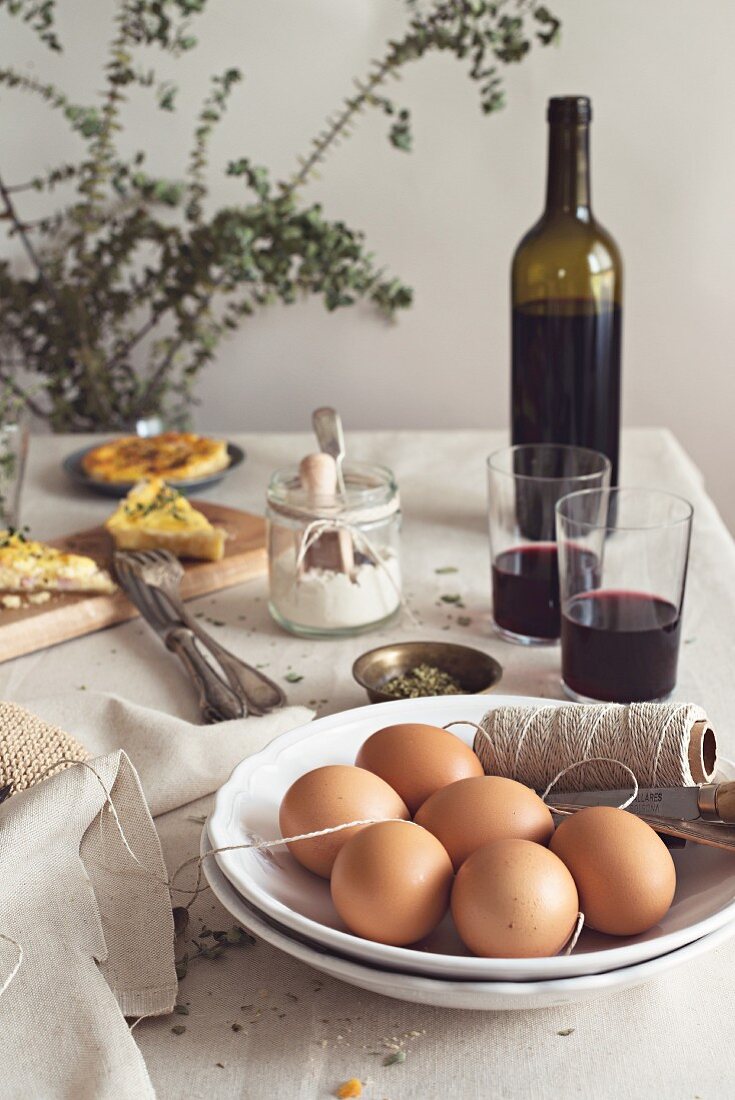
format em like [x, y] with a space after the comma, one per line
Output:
[226, 686]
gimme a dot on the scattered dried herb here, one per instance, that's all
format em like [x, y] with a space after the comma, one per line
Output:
[181, 1010]
[237, 1027]
[566, 1031]
[421, 681]
[181, 919]
[232, 937]
[463, 620]
[444, 569]
[395, 1059]
[178, 1029]
[293, 677]
[452, 597]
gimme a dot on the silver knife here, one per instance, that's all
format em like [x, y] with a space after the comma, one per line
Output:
[710, 802]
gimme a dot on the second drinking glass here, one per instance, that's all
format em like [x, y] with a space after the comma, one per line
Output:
[524, 485]
[620, 642]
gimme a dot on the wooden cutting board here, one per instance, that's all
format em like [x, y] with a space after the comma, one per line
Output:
[69, 615]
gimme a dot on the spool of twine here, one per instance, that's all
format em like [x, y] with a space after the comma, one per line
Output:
[664, 744]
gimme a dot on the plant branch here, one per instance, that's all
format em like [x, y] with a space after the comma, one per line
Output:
[29, 402]
[337, 126]
[26, 241]
[480, 31]
[175, 345]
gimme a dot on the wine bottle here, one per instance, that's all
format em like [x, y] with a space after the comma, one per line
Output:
[567, 305]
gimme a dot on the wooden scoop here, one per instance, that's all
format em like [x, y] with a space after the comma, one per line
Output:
[333, 550]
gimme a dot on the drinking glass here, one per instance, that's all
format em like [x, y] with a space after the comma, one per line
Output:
[13, 453]
[524, 484]
[620, 640]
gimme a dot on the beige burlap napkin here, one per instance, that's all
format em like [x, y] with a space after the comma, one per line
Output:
[91, 930]
[86, 932]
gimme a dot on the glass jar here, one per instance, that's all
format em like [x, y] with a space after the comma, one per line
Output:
[14, 434]
[334, 565]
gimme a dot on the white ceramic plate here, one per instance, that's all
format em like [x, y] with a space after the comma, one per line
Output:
[451, 994]
[283, 890]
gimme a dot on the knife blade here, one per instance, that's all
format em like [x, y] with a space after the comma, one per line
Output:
[711, 802]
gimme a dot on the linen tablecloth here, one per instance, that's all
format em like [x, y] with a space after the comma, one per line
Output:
[262, 1025]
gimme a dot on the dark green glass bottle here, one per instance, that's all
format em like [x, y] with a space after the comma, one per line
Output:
[566, 288]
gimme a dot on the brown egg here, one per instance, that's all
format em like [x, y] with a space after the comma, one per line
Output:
[391, 883]
[514, 899]
[417, 760]
[472, 812]
[329, 796]
[623, 870]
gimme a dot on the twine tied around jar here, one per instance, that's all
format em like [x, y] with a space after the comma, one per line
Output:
[314, 530]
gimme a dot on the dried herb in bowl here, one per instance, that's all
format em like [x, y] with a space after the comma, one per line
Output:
[421, 681]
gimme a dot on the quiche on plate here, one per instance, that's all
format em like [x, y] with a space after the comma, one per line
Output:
[175, 456]
[155, 516]
[30, 566]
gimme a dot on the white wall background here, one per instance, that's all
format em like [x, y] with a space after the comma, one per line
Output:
[447, 216]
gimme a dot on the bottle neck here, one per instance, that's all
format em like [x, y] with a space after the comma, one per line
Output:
[568, 179]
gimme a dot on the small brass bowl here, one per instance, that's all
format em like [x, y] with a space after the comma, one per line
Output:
[475, 672]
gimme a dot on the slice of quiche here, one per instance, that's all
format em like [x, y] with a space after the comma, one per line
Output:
[30, 566]
[155, 516]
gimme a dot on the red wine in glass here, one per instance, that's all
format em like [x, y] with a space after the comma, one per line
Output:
[526, 587]
[620, 647]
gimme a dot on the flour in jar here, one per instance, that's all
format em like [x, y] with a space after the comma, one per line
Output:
[324, 599]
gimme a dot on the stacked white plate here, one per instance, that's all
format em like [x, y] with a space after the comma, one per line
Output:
[270, 893]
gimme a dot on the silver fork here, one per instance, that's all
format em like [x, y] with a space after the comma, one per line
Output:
[163, 571]
[217, 701]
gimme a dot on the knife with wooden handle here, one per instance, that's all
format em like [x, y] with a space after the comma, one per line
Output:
[712, 802]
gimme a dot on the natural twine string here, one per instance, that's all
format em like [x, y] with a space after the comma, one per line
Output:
[318, 527]
[18, 961]
[564, 771]
[535, 745]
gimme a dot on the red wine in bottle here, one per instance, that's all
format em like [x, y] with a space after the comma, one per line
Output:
[566, 286]
[620, 647]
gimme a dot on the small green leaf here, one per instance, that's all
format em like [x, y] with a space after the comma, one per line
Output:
[293, 677]
[395, 1059]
